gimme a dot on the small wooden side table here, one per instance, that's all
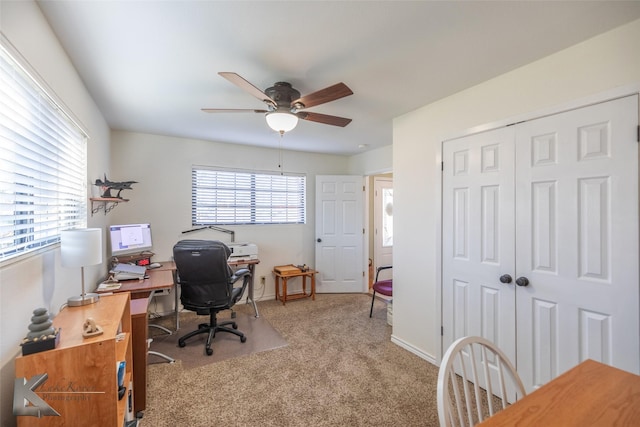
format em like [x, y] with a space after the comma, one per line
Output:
[286, 272]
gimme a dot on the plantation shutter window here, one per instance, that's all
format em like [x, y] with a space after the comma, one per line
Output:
[221, 196]
[42, 163]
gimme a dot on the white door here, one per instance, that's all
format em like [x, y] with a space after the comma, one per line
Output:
[478, 238]
[574, 254]
[339, 234]
[577, 240]
[383, 225]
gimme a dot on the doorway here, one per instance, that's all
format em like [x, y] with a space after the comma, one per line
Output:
[380, 224]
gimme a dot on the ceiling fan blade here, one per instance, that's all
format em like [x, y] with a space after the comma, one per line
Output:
[324, 118]
[247, 87]
[328, 94]
[232, 110]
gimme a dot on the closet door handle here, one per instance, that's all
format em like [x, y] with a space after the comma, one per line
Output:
[505, 278]
[522, 281]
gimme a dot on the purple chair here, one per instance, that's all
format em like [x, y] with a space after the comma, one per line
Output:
[384, 287]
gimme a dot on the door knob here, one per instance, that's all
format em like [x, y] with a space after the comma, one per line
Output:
[319, 240]
[522, 281]
[505, 278]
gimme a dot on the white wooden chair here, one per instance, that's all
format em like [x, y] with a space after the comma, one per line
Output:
[475, 376]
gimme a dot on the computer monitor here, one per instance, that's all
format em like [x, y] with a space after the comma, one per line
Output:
[130, 238]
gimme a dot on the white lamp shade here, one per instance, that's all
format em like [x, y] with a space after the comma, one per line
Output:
[81, 247]
[281, 122]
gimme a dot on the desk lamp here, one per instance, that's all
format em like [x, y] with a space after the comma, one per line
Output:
[79, 248]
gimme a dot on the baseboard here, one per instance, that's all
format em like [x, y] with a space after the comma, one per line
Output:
[428, 357]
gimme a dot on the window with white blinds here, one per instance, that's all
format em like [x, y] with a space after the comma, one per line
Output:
[221, 197]
[42, 163]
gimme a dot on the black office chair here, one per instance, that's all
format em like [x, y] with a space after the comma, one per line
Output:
[206, 283]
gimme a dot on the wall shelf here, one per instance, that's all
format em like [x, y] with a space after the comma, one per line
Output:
[104, 203]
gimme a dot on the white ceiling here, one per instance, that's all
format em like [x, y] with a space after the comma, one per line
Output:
[152, 65]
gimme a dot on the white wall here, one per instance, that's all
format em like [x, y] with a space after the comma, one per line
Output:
[39, 281]
[602, 64]
[372, 162]
[162, 196]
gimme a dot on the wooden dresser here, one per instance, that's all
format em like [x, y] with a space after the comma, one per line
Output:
[81, 382]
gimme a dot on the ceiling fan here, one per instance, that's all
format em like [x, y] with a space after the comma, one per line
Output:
[285, 105]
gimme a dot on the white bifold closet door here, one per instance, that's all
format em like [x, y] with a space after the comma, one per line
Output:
[540, 240]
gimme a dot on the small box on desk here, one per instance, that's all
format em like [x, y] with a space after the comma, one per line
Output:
[30, 347]
[289, 269]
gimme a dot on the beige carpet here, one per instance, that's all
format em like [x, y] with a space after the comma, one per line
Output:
[260, 337]
[338, 369]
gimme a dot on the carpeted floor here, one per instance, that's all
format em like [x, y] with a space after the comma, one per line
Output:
[339, 368]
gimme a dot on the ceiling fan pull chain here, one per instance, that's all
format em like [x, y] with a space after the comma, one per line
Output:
[280, 153]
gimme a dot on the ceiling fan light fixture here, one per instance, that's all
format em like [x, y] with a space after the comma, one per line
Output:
[281, 121]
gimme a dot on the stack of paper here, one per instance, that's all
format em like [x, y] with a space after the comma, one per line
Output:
[112, 286]
[128, 272]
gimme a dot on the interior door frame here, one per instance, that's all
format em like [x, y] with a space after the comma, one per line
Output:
[597, 98]
[377, 222]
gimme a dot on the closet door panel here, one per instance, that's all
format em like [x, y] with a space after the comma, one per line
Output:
[577, 240]
[478, 229]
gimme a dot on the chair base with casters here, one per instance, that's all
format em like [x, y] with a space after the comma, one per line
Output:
[384, 287]
[476, 379]
[211, 329]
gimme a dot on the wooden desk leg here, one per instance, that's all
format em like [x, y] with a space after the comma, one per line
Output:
[313, 287]
[284, 290]
[139, 335]
[277, 288]
[304, 284]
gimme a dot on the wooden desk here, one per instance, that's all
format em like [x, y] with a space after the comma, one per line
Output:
[81, 381]
[285, 273]
[141, 291]
[158, 280]
[591, 394]
[139, 335]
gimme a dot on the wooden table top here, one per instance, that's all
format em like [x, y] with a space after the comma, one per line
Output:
[590, 394]
[158, 279]
[291, 270]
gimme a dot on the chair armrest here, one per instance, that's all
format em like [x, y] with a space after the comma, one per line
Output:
[379, 269]
[239, 274]
[242, 273]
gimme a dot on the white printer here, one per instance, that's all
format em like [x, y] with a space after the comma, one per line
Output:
[243, 251]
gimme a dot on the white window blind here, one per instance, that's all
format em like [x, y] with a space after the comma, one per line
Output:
[221, 197]
[42, 164]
